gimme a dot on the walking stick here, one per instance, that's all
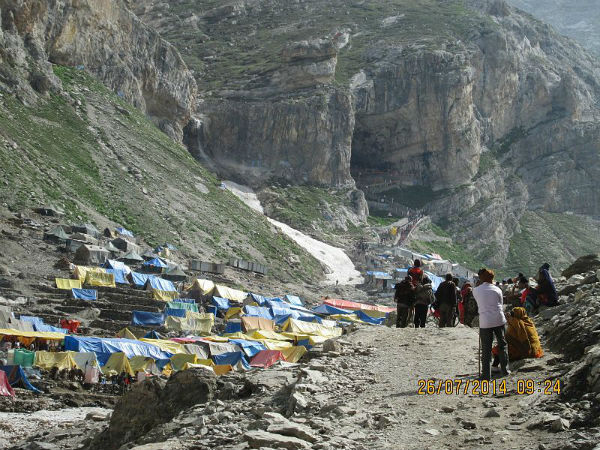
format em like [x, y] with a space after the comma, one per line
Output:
[479, 358]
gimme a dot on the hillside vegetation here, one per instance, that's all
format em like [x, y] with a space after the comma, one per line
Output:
[101, 160]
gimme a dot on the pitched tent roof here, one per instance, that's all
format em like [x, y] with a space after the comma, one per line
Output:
[124, 231]
[18, 378]
[175, 274]
[57, 233]
[132, 256]
[50, 210]
[112, 264]
[156, 262]
[86, 228]
[149, 254]
[91, 254]
[111, 248]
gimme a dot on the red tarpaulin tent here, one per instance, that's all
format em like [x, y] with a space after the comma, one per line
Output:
[347, 304]
[5, 389]
[266, 358]
[71, 325]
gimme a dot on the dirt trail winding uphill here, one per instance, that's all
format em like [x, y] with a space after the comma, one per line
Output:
[401, 357]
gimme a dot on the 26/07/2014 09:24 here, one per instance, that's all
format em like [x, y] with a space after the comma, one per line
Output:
[485, 387]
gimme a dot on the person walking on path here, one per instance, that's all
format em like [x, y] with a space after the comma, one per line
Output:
[446, 299]
[492, 322]
[405, 299]
[423, 298]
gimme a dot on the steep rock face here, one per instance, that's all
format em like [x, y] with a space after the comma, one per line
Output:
[106, 39]
[579, 19]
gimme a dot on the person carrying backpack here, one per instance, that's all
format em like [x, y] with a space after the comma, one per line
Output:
[423, 298]
[405, 299]
[446, 299]
[416, 273]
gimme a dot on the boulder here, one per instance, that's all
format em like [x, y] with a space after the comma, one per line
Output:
[258, 439]
[331, 345]
[582, 265]
[280, 425]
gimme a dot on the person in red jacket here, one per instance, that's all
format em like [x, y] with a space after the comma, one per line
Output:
[416, 273]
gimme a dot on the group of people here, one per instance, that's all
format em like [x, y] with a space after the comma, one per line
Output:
[482, 306]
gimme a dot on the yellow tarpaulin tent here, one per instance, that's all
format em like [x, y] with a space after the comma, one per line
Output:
[60, 360]
[311, 328]
[312, 339]
[222, 369]
[143, 364]
[117, 364]
[82, 271]
[346, 318]
[125, 333]
[166, 345]
[275, 345]
[293, 354]
[205, 287]
[185, 324]
[233, 313]
[67, 283]
[373, 313]
[178, 362]
[231, 294]
[49, 335]
[250, 323]
[166, 296]
[100, 279]
[273, 335]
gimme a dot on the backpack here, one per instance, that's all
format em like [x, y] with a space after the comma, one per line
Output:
[423, 294]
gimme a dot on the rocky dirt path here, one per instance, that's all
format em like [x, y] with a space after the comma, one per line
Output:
[399, 358]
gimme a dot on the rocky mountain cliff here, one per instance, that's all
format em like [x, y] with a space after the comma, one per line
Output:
[579, 19]
[468, 110]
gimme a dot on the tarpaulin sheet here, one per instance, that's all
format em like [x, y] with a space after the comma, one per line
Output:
[231, 312]
[175, 312]
[328, 310]
[193, 349]
[222, 369]
[161, 284]
[50, 329]
[85, 294]
[250, 348]
[166, 345]
[189, 324]
[258, 311]
[205, 287]
[67, 283]
[17, 378]
[104, 347]
[266, 358]
[33, 319]
[156, 262]
[368, 319]
[126, 333]
[231, 294]
[259, 299]
[85, 359]
[257, 323]
[293, 354]
[5, 389]
[179, 361]
[23, 358]
[275, 345]
[32, 334]
[124, 231]
[233, 326]
[234, 359]
[347, 304]
[185, 300]
[280, 310]
[293, 299]
[117, 265]
[117, 363]
[166, 296]
[218, 348]
[143, 364]
[140, 279]
[300, 326]
[60, 360]
[82, 271]
[120, 276]
[71, 325]
[272, 335]
[146, 318]
[100, 279]
[221, 303]
[183, 305]
[21, 325]
[152, 335]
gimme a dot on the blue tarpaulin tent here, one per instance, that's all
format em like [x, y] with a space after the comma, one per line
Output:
[258, 311]
[221, 303]
[104, 347]
[176, 312]
[124, 231]
[293, 299]
[120, 275]
[259, 299]
[17, 378]
[156, 262]
[328, 309]
[39, 325]
[152, 335]
[161, 284]
[280, 310]
[140, 279]
[117, 265]
[184, 300]
[366, 318]
[146, 318]
[250, 348]
[232, 359]
[233, 326]
[33, 320]
[85, 294]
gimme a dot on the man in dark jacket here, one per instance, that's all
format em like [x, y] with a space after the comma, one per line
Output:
[405, 299]
[446, 299]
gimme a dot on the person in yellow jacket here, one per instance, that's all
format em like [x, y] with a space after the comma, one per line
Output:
[521, 336]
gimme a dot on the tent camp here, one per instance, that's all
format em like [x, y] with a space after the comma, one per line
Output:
[56, 235]
[117, 265]
[175, 274]
[132, 258]
[91, 254]
[155, 264]
[86, 228]
[125, 245]
[17, 378]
